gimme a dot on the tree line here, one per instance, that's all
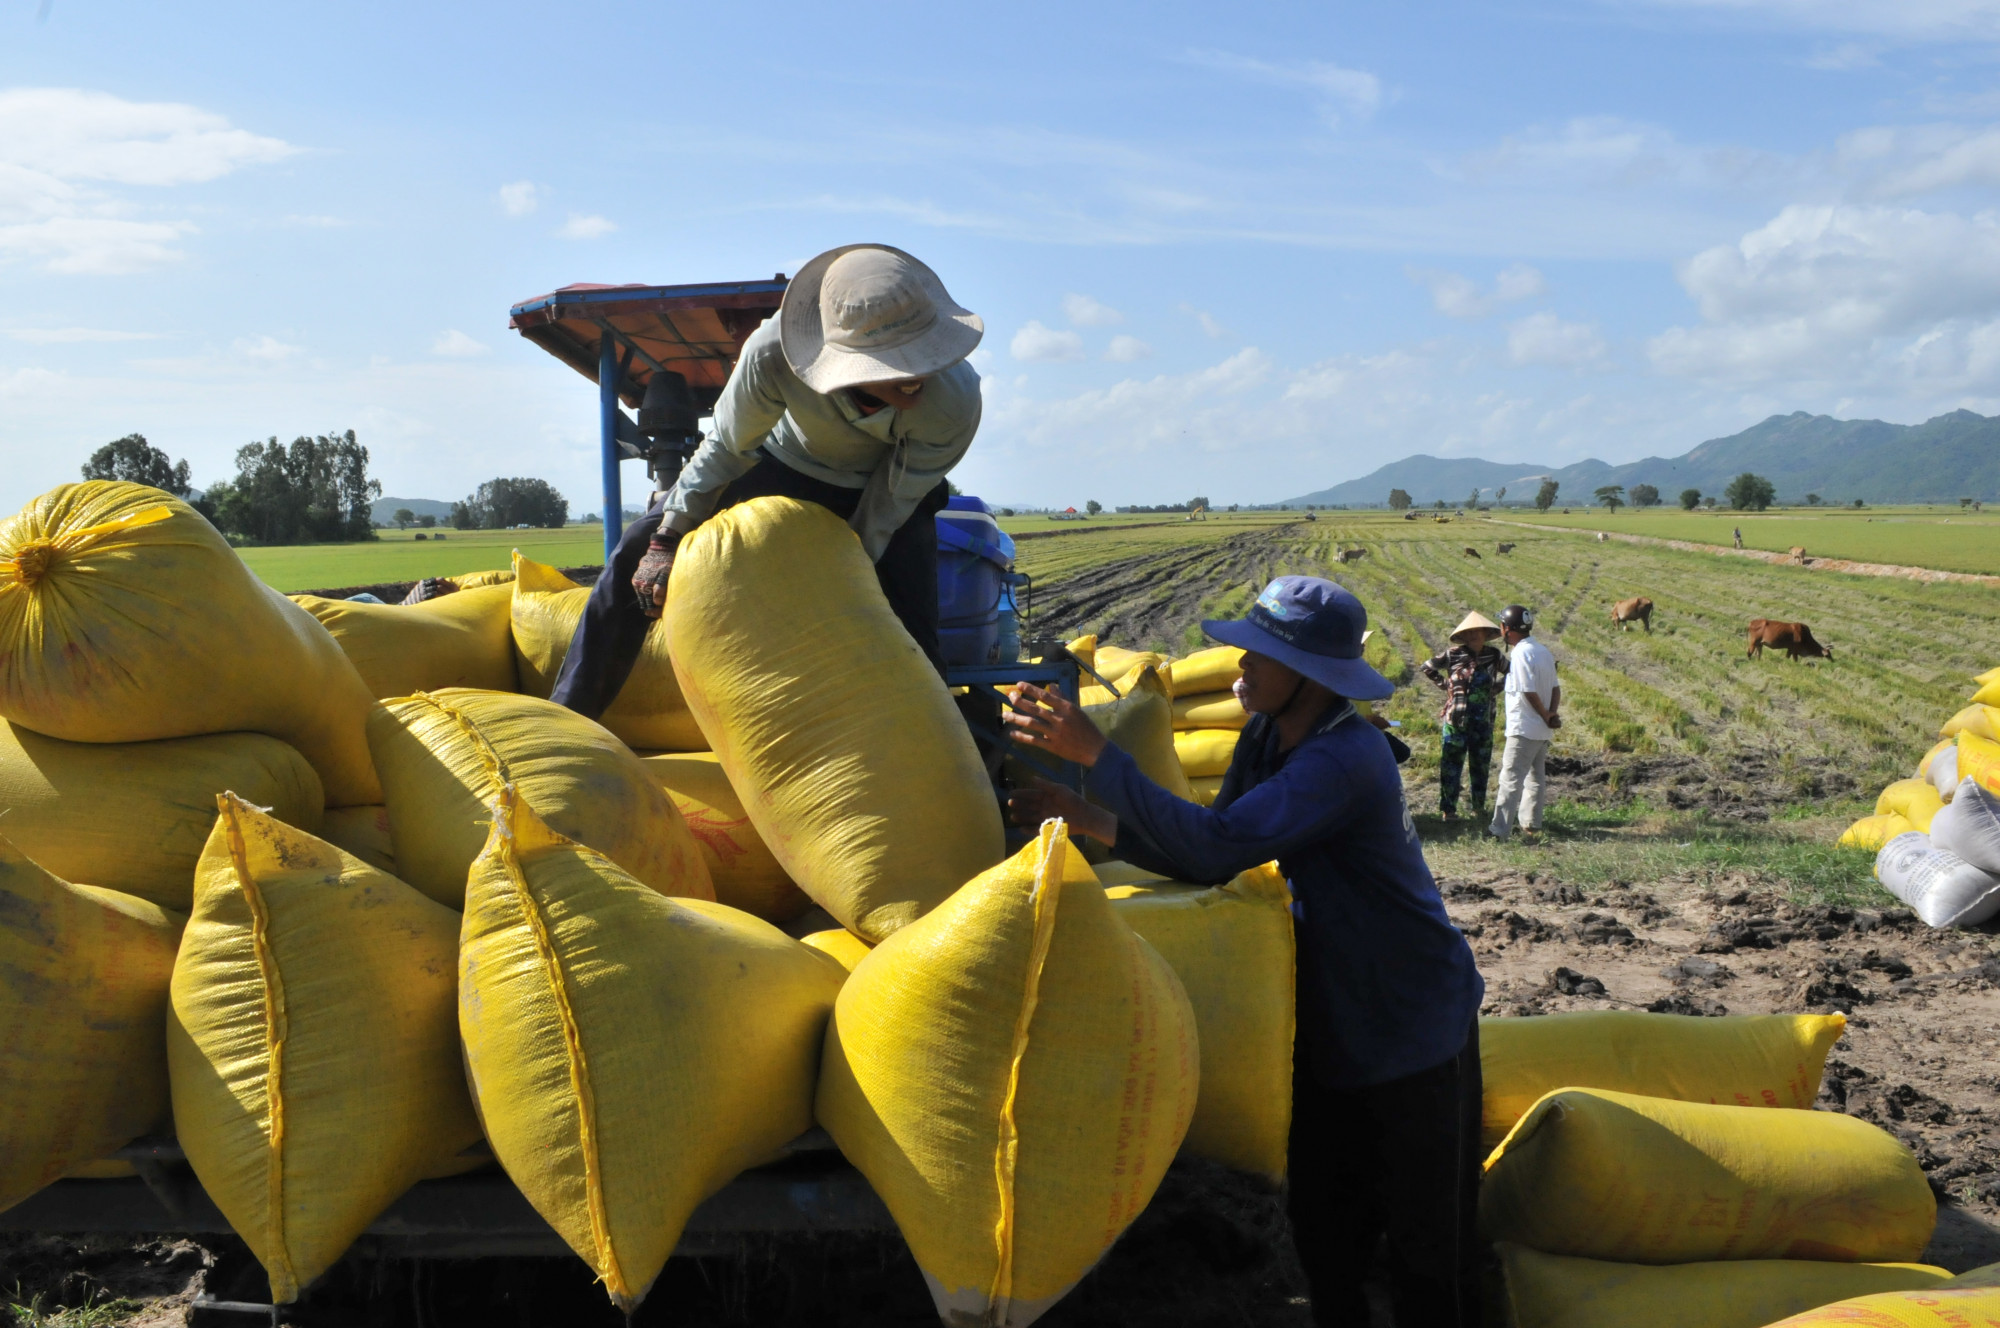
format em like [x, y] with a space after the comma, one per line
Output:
[1746, 493]
[313, 490]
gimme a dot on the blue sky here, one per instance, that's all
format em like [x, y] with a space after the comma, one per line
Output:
[1244, 252]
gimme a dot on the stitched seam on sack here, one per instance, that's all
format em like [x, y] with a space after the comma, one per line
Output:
[276, 1029]
[1047, 893]
[613, 1276]
[496, 767]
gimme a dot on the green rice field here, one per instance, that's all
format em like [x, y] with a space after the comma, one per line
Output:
[1949, 539]
[400, 556]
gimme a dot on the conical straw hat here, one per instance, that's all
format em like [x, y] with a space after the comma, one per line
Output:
[1475, 621]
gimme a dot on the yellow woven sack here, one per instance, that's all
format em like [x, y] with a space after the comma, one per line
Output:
[1983, 720]
[82, 1001]
[1116, 662]
[1912, 799]
[1231, 947]
[499, 576]
[137, 813]
[1116, 871]
[1215, 669]
[1142, 725]
[1605, 1175]
[630, 1053]
[1968, 1301]
[458, 640]
[1205, 751]
[1760, 1060]
[1924, 766]
[648, 711]
[1012, 1072]
[1872, 832]
[1554, 1291]
[1988, 693]
[1210, 710]
[1978, 760]
[362, 831]
[839, 736]
[125, 617]
[1204, 788]
[745, 872]
[313, 1042]
[1085, 649]
[1991, 675]
[846, 948]
[444, 756]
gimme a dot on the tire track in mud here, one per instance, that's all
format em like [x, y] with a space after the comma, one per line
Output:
[1154, 597]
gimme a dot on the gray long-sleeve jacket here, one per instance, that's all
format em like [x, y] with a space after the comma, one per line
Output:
[895, 456]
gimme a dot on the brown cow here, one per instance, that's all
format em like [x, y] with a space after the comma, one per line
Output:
[1798, 555]
[1638, 609]
[1794, 638]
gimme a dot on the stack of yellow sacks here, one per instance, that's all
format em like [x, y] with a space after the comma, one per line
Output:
[1207, 717]
[1657, 1171]
[1968, 748]
[518, 925]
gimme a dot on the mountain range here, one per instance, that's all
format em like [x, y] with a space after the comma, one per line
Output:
[1941, 460]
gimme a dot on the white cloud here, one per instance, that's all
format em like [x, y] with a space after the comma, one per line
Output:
[1086, 312]
[457, 345]
[60, 147]
[1910, 19]
[1870, 297]
[1209, 323]
[1335, 90]
[1845, 56]
[1605, 149]
[1545, 339]
[1458, 296]
[1139, 415]
[44, 336]
[269, 349]
[1125, 349]
[1904, 161]
[586, 226]
[520, 198]
[1036, 342]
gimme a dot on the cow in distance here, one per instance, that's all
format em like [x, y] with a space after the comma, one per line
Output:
[1638, 609]
[1504, 548]
[1794, 638]
[1471, 552]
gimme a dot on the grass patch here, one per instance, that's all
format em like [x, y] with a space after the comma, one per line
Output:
[103, 1311]
[400, 556]
[1588, 844]
[1949, 539]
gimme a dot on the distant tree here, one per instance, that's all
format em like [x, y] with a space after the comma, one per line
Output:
[1200, 503]
[1006, 511]
[1750, 493]
[314, 490]
[500, 504]
[1812, 500]
[1499, 494]
[1093, 507]
[427, 522]
[134, 459]
[1612, 496]
[1857, 502]
[1399, 500]
[403, 517]
[953, 490]
[1545, 497]
[1440, 504]
[1645, 495]
[1473, 501]
[1965, 502]
[1708, 501]
[1690, 499]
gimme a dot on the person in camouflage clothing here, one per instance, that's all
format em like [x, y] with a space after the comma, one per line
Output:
[1470, 673]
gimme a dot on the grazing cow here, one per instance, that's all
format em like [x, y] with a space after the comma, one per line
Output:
[1504, 548]
[1601, 537]
[1471, 552]
[1638, 609]
[1349, 555]
[1798, 554]
[1794, 638]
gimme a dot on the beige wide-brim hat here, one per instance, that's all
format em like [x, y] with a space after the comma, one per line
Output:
[1475, 622]
[868, 313]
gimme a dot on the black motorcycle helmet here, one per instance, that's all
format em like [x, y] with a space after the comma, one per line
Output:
[1518, 616]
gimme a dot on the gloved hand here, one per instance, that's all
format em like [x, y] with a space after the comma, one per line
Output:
[649, 581]
[431, 587]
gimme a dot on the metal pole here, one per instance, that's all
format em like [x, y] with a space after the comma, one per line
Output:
[607, 419]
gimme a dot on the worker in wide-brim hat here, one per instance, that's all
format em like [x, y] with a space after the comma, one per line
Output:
[855, 396]
[1471, 671]
[1385, 1068]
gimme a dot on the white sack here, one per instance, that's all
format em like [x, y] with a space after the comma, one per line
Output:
[1969, 826]
[1943, 888]
[1944, 773]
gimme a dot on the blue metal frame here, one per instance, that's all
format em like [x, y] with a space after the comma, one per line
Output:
[607, 423]
[628, 294]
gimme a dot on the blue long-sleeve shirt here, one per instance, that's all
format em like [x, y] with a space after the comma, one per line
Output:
[1386, 985]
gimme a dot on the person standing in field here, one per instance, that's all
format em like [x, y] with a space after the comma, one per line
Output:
[856, 396]
[1470, 673]
[1386, 1077]
[1534, 700]
[1739, 537]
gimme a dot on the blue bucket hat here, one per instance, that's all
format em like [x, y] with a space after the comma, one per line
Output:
[1313, 627]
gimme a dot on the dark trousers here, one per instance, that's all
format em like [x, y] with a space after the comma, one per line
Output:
[613, 629]
[1399, 1159]
[1463, 748]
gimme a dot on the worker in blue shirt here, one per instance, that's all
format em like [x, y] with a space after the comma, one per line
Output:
[1385, 1082]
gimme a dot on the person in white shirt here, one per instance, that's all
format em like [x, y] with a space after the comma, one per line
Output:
[1534, 698]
